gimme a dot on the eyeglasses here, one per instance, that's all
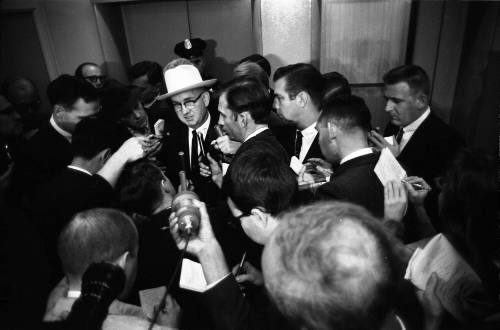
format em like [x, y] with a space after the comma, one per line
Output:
[94, 79]
[189, 104]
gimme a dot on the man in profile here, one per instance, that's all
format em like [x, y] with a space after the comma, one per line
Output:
[342, 275]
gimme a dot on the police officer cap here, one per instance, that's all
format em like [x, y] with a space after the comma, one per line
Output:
[190, 48]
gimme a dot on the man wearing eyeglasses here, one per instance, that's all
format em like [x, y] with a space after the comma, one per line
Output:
[91, 73]
[190, 99]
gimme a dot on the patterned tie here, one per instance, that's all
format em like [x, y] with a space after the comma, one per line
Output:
[298, 143]
[194, 152]
[399, 136]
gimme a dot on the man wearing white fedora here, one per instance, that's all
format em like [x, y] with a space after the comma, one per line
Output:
[190, 99]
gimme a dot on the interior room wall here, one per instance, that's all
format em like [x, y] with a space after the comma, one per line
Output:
[153, 29]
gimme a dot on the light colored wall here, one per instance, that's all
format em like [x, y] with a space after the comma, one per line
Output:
[154, 28]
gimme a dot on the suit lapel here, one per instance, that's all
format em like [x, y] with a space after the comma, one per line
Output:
[418, 138]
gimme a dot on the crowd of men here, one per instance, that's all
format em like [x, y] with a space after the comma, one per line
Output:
[296, 228]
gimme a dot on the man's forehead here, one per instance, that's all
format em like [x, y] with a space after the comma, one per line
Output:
[400, 88]
[186, 95]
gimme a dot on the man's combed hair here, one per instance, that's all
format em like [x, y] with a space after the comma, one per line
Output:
[150, 69]
[91, 136]
[260, 179]
[93, 236]
[413, 75]
[302, 77]
[65, 90]
[348, 112]
[248, 94]
[139, 187]
[320, 280]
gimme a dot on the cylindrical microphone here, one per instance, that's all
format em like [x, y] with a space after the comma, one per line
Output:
[219, 131]
[187, 213]
[225, 158]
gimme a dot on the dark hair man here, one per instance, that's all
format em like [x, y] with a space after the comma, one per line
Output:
[260, 61]
[244, 108]
[261, 185]
[49, 150]
[335, 84]
[417, 134]
[92, 73]
[342, 274]
[297, 97]
[343, 128]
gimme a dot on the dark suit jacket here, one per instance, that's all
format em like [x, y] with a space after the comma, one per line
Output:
[230, 310]
[265, 140]
[430, 149]
[286, 136]
[355, 181]
[176, 139]
[42, 158]
[54, 204]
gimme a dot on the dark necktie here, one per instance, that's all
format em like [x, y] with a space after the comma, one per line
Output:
[194, 152]
[298, 143]
[399, 136]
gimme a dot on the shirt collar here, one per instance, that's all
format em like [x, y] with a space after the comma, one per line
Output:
[256, 132]
[417, 122]
[356, 154]
[59, 130]
[309, 130]
[203, 128]
[73, 294]
[79, 169]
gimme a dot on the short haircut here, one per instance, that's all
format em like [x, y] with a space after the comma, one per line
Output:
[91, 136]
[79, 69]
[260, 60]
[413, 75]
[248, 94]
[150, 69]
[95, 235]
[65, 90]
[118, 101]
[302, 77]
[335, 85]
[334, 267]
[251, 70]
[139, 187]
[258, 178]
[349, 112]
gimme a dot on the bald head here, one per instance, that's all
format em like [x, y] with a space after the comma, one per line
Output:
[341, 273]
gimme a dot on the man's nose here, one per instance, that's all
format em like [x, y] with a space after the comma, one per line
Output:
[220, 121]
[389, 106]
[275, 104]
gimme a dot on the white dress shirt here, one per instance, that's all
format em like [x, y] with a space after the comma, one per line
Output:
[59, 130]
[202, 130]
[257, 131]
[356, 154]
[409, 129]
[308, 135]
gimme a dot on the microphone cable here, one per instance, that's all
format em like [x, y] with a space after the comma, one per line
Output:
[162, 304]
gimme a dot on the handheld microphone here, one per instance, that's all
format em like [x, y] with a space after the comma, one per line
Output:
[225, 158]
[187, 213]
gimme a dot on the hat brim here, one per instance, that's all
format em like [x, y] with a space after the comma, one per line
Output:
[205, 83]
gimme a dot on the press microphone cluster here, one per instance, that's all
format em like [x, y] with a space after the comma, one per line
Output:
[187, 213]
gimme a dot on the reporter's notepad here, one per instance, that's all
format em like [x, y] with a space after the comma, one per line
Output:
[192, 277]
[458, 279]
[388, 168]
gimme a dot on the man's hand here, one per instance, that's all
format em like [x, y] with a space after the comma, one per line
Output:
[321, 165]
[417, 189]
[205, 235]
[395, 201]
[214, 170]
[380, 143]
[226, 145]
[250, 274]
[170, 315]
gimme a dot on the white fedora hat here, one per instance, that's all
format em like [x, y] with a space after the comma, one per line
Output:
[182, 78]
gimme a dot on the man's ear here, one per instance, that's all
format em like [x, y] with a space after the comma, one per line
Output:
[302, 98]
[333, 130]
[122, 260]
[206, 98]
[422, 101]
[243, 118]
[260, 216]
[58, 111]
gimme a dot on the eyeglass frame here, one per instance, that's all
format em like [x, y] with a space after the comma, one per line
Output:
[189, 104]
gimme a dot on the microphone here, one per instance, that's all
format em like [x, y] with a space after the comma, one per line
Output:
[187, 213]
[223, 157]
